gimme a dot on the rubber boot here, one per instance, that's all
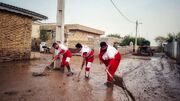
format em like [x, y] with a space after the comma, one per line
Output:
[87, 74]
[70, 73]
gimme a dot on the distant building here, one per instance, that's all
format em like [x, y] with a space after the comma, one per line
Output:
[35, 44]
[51, 29]
[85, 35]
[75, 33]
[15, 32]
[35, 30]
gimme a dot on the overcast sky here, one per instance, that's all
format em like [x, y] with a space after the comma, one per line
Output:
[158, 17]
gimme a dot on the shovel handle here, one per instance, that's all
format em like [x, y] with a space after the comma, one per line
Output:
[79, 72]
[109, 74]
[52, 61]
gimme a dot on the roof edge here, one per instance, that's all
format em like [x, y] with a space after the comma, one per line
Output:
[22, 11]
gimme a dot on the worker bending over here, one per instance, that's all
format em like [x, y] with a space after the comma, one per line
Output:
[88, 57]
[111, 58]
[66, 53]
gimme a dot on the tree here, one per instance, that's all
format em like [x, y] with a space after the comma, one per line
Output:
[178, 36]
[114, 35]
[127, 40]
[170, 37]
[44, 35]
[144, 42]
[140, 41]
[160, 40]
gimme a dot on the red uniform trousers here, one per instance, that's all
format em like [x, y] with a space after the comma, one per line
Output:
[90, 59]
[66, 55]
[114, 63]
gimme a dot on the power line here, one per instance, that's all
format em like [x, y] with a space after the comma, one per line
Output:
[125, 17]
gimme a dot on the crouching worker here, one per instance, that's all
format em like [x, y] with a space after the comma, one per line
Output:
[111, 58]
[63, 50]
[88, 57]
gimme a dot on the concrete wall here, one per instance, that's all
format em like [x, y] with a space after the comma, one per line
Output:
[171, 49]
[110, 40]
[125, 49]
[15, 36]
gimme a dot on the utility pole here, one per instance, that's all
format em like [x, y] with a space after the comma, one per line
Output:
[59, 27]
[135, 45]
[60, 21]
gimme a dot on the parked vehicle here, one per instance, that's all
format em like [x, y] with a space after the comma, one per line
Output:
[145, 50]
[44, 48]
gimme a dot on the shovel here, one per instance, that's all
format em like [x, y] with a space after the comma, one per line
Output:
[117, 80]
[43, 73]
[78, 77]
[109, 74]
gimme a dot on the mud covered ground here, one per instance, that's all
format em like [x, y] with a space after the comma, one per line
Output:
[147, 78]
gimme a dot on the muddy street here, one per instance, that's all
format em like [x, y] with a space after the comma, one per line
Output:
[148, 79]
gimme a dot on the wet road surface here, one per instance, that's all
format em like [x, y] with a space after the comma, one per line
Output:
[148, 79]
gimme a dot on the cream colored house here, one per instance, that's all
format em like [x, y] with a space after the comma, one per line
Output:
[75, 33]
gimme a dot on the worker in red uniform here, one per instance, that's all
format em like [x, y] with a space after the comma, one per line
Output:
[66, 53]
[111, 58]
[88, 57]
[54, 53]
